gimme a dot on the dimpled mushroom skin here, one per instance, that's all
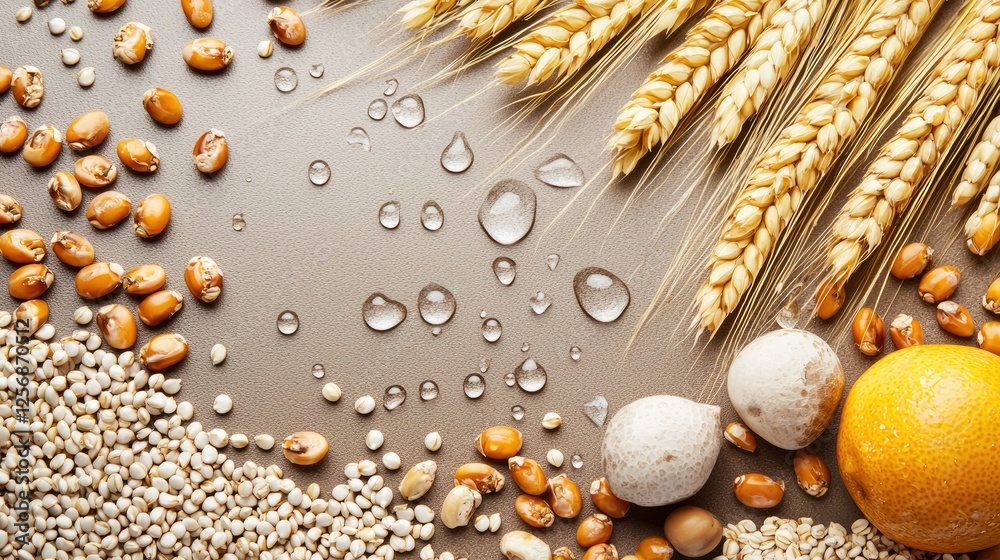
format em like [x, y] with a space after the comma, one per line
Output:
[660, 450]
[786, 385]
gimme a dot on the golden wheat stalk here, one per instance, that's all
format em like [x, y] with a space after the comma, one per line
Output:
[915, 150]
[485, 19]
[982, 230]
[805, 150]
[417, 13]
[686, 74]
[561, 44]
[981, 164]
[769, 61]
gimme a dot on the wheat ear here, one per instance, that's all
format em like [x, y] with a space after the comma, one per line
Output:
[981, 164]
[485, 19]
[928, 131]
[982, 230]
[805, 150]
[417, 13]
[769, 61]
[671, 92]
[562, 43]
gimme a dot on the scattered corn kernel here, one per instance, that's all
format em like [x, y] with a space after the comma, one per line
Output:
[95, 171]
[534, 511]
[42, 146]
[740, 435]
[27, 86]
[6, 77]
[162, 351]
[88, 130]
[811, 473]
[65, 191]
[162, 106]
[594, 529]
[499, 442]
[906, 331]
[144, 279]
[104, 6]
[830, 298]
[480, 477]
[83, 315]
[868, 329]
[955, 319]
[118, 328]
[23, 14]
[132, 43]
[211, 151]
[939, 283]
[13, 133]
[606, 501]
[76, 33]
[72, 249]
[151, 216]
[30, 281]
[603, 551]
[364, 405]
[160, 306]
[207, 54]
[10, 210]
[204, 279]
[198, 12]
[564, 496]
[287, 25]
[138, 155]
[107, 209]
[22, 246]
[758, 491]
[99, 279]
[264, 442]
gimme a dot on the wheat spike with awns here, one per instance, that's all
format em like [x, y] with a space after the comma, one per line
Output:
[805, 150]
[980, 166]
[906, 160]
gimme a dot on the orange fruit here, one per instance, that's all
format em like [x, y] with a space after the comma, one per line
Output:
[919, 447]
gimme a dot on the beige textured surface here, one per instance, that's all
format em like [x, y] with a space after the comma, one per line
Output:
[320, 252]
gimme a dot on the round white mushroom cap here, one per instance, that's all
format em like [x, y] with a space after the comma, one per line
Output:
[786, 385]
[660, 450]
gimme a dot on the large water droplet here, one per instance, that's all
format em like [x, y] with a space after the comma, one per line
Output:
[575, 353]
[358, 137]
[319, 172]
[431, 216]
[576, 461]
[530, 376]
[484, 365]
[539, 303]
[316, 70]
[318, 371]
[428, 390]
[457, 156]
[436, 304]
[552, 261]
[508, 213]
[288, 322]
[505, 269]
[388, 214]
[285, 79]
[238, 222]
[597, 410]
[390, 86]
[474, 386]
[394, 396]
[377, 109]
[492, 330]
[601, 294]
[560, 171]
[408, 110]
[382, 313]
[517, 412]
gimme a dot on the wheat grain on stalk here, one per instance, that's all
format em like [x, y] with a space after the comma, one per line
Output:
[981, 164]
[417, 13]
[790, 168]
[563, 42]
[671, 92]
[485, 19]
[927, 132]
[769, 61]
[983, 227]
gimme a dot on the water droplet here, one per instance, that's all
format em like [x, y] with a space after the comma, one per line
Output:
[576, 461]
[394, 396]
[560, 171]
[539, 303]
[492, 330]
[517, 412]
[788, 316]
[358, 137]
[249, 179]
[530, 376]
[509, 379]
[597, 410]
[382, 313]
[319, 172]
[285, 79]
[482, 314]
[377, 109]
[388, 214]
[484, 365]
[508, 213]
[574, 353]
[431, 216]
[318, 371]
[474, 386]
[505, 270]
[316, 70]
[436, 304]
[408, 110]
[457, 156]
[552, 261]
[525, 346]
[428, 390]
[601, 294]
[238, 222]
[288, 322]
[390, 86]
[436, 331]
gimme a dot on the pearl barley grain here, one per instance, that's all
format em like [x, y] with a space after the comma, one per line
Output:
[265, 48]
[223, 404]
[554, 457]
[218, 354]
[57, 26]
[83, 315]
[86, 76]
[432, 441]
[331, 392]
[70, 57]
[391, 461]
[374, 439]
[365, 404]
[551, 420]
[76, 33]
[264, 442]
[23, 14]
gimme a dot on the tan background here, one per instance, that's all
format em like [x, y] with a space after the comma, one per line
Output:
[320, 252]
